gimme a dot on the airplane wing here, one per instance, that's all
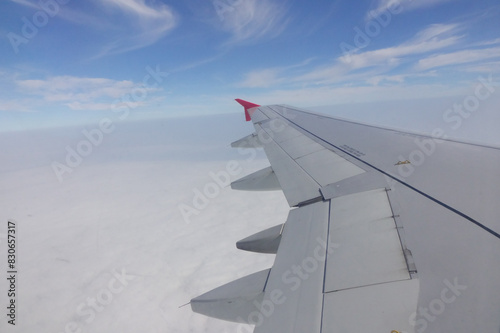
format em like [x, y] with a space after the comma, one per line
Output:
[388, 231]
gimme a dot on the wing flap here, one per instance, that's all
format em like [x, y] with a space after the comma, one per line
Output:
[380, 308]
[294, 289]
[369, 248]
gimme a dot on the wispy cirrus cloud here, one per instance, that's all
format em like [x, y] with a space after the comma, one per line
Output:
[262, 78]
[490, 42]
[81, 93]
[147, 22]
[401, 6]
[434, 37]
[459, 57]
[362, 65]
[269, 77]
[403, 71]
[400, 78]
[13, 105]
[483, 67]
[64, 88]
[252, 20]
[25, 3]
[346, 94]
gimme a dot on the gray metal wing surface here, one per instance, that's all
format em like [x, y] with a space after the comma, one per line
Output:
[388, 231]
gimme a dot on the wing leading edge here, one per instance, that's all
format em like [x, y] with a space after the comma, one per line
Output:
[377, 239]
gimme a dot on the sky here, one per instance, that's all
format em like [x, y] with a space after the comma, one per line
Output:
[66, 62]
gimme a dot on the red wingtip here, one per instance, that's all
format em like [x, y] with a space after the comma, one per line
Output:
[247, 106]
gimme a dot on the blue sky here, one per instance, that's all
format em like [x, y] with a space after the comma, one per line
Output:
[70, 62]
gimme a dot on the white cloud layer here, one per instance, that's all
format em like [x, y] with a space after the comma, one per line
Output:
[117, 211]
